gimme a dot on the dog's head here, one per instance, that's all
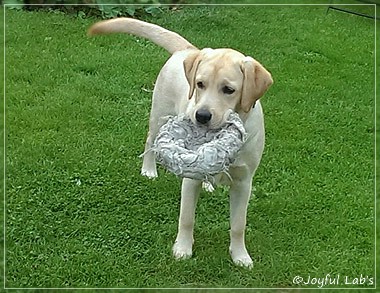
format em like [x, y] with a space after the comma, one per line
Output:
[222, 80]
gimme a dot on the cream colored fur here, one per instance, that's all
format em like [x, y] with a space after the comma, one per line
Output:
[212, 80]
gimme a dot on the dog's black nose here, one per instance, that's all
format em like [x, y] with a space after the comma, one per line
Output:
[203, 116]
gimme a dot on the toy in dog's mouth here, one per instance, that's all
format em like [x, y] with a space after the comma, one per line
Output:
[195, 151]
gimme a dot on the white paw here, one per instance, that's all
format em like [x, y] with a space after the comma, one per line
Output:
[207, 186]
[242, 259]
[149, 168]
[151, 174]
[181, 251]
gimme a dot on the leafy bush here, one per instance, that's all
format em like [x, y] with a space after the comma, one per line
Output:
[102, 8]
[138, 7]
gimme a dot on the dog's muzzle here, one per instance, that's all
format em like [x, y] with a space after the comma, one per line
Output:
[203, 116]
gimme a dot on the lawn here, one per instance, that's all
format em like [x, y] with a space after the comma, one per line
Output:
[78, 213]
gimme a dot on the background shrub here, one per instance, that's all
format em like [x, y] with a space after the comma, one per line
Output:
[102, 8]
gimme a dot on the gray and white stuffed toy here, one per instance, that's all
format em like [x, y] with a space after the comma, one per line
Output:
[195, 151]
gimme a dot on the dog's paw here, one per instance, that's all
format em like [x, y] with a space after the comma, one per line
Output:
[181, 251]
[151, 174]
[149, 168]
[242, 259]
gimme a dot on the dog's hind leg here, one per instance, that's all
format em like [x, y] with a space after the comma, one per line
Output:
[168, 96]
[149, 168]
[159, 116]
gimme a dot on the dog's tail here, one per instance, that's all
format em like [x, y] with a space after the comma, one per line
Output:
[169, 40]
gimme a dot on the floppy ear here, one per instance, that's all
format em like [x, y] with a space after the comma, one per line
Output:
[256, 81]
[190, 65]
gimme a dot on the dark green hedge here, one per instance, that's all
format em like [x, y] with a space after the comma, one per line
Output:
[102, 8]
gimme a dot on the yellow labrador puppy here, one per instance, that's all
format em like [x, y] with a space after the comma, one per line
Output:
[205, 85]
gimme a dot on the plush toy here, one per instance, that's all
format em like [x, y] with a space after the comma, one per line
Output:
[195, 151]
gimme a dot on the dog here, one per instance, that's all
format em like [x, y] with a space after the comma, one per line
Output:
[205, 85]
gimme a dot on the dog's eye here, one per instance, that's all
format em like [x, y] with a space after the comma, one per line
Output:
[200, 85]
[228, 90]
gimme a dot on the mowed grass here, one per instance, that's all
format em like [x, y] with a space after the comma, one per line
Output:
[78, 213]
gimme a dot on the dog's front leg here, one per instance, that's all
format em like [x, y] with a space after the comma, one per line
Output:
[183, 246]
[240, 193]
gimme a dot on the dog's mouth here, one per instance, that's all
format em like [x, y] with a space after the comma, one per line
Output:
[207, 118]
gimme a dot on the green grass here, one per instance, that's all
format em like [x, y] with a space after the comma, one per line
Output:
[78, 213]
